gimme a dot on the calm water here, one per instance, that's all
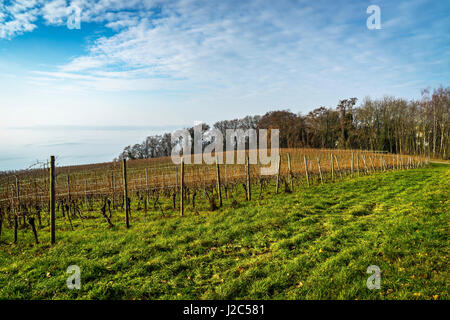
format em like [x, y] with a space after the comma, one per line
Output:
[22, 147]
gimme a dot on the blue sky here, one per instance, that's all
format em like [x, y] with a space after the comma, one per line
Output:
[136, 68]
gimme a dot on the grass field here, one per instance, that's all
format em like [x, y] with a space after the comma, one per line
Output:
[315, 243]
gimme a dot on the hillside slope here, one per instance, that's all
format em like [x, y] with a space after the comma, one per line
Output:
[315, 243]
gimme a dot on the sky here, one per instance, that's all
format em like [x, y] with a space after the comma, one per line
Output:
[136, 68]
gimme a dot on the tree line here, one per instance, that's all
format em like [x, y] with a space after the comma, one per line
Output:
[395, 125]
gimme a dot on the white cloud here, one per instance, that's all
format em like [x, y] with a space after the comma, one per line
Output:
[252, 45]
[85, 63]
[17, 18]
[55, 12]
[233, 47]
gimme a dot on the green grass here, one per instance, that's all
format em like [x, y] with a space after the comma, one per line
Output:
[315, 243]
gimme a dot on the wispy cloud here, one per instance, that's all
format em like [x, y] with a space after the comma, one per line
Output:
[17, 18]
[238, 47]
[20, 16]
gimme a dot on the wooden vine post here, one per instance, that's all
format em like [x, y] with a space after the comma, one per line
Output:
[365, 164]
[14, 207]
[176, 176]
[226, 181]
[320, 169]
[181, 186]
[278, 174]
[337, 165]
[306, 170]
[125, 193]
[291, 180]
[249, 188]
[85, 194]
[113, 184]
[357, 163]
[351, 166]
[33, 228]
[219, 189]
[18, 201]
[371, 164]
[146, 192]
[68, 193]
[68, 202]
[52, 200]
[332, 167]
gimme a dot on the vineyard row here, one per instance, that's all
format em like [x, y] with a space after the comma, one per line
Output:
[28, 197]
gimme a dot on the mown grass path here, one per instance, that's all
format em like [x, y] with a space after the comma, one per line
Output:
[313, 244]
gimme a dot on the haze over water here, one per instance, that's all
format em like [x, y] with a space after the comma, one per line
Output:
[22, 147]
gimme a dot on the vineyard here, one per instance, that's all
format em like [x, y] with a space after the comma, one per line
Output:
[33, 199]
